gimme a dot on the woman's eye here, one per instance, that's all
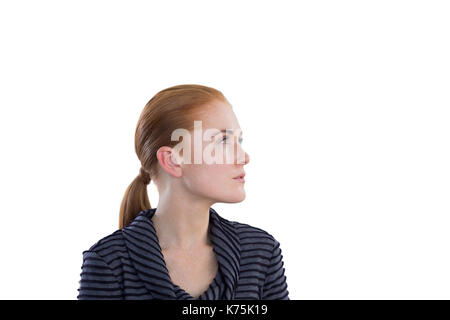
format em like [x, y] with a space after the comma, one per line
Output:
[226, 137]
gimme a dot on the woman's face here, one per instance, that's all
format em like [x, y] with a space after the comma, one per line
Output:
[210, 173]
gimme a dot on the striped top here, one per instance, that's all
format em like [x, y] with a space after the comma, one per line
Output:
[129, 264]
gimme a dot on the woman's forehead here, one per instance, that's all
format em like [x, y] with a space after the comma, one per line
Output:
[221, 120]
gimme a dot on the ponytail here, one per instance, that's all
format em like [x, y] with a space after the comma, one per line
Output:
[135, 199]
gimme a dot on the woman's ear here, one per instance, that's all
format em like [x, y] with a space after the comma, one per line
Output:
[173, 160]
[169, 161]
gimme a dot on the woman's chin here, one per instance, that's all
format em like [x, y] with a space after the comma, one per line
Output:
[236, 198]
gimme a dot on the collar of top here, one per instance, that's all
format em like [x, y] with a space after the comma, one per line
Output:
[147, 258]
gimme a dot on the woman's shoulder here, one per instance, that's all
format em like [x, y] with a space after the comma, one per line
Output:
[109, 245]
[115, 241]
[255, 237]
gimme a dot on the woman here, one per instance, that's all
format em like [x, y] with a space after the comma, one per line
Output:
[183, 249]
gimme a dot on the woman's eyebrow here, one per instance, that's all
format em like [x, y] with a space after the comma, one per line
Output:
[229, 131]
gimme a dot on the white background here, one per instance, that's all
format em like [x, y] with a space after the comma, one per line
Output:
[344, 106]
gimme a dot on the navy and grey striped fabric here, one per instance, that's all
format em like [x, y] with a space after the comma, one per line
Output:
[128, 264]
